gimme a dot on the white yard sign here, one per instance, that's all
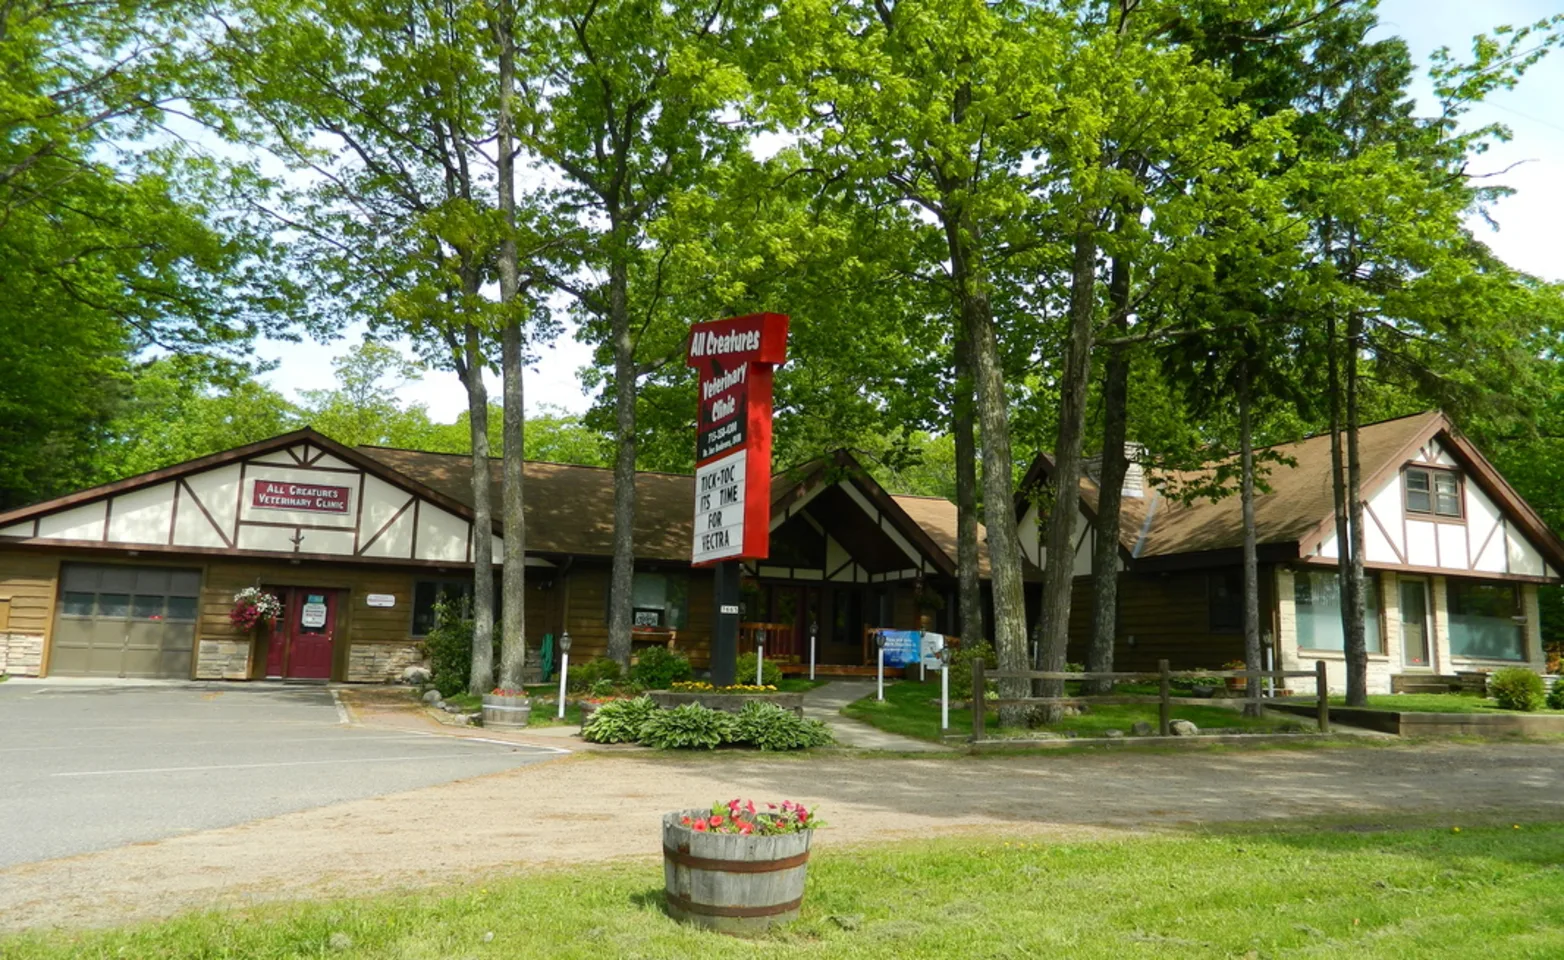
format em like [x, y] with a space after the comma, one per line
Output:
[719, 509]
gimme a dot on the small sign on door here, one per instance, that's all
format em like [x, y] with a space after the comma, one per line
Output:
[313, 614]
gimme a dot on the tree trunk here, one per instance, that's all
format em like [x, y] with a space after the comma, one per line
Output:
[1053, 627]
[969, 586]
[622, 580]
[1252, 654]
[513, 632]
[1110, 497]
[1356, 645]
[482, 680]
[1338, 479]
[1004, 544]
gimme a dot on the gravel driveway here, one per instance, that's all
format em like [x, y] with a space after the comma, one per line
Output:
[560, 812]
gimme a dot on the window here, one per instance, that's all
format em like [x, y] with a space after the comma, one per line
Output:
[1486, 621]
[1436, 492]
[1316, 598]
[659, 600]
[1225, 601]
[427, 593]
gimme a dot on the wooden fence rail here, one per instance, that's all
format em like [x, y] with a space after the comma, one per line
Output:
[1164, 698]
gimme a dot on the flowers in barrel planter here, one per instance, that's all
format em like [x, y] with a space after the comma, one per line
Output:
[507, 692]
[744, 818]
[253, 606]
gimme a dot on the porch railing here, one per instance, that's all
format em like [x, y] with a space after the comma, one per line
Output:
[781, 639]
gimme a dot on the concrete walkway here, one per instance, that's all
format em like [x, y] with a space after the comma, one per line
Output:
[825, 703]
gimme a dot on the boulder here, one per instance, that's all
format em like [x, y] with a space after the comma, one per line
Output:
[415, 676]
[432, 696]
[1113, 734]
[1140, 728]
[1183, 728]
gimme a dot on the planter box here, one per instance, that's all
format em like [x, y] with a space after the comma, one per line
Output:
[732, 883]
[506, 713]
[726, 702]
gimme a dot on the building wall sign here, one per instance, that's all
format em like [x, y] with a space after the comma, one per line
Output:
[314, 497]
[734, 359]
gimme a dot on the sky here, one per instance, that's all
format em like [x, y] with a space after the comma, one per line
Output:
[1527, 238]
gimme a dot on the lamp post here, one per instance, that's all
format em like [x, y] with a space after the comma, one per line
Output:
[944, 686]
[564, 668]
[760, 655]
[814, 631]
[879, 675]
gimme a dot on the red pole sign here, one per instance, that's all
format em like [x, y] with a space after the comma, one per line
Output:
[734, 359]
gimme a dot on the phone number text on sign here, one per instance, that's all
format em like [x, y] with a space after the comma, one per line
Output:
[719, 508]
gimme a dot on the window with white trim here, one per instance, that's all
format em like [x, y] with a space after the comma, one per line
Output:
[1433, 492]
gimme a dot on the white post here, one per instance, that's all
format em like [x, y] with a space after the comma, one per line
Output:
[760, 659]
[564, 668]
[944, 697]
[879, 676]
[923, 675]
[811, 654]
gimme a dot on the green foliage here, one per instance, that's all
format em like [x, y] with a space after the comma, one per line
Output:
[770, 673]
[770, 727]
[1555, 698]
[449, 646]
[961, 667]
[1516, 688]
[618, 721]
[586, 676]
[658, 668]
[686, 727]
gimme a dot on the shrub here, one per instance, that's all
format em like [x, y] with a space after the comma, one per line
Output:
[659, 668]
[449, 646]
[586, 676]
[770, 727]
[1555, 699]
[770, 674]
[1516, 688]
[961, 667]
[618, 721]
[686, 727]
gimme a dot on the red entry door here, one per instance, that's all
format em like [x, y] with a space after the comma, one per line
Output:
[302, 640]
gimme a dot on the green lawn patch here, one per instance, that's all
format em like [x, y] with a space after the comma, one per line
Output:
[912, 709]
[1420, 894]
[1434, 703]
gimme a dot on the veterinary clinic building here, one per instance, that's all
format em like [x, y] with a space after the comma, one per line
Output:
[137, 578]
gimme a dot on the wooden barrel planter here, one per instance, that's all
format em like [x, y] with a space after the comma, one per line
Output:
[731, 883]
[506, 713]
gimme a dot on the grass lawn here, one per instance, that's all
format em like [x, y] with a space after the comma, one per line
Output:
[1433, 703]
[912, 709]
[542, 715]
[1488, 892]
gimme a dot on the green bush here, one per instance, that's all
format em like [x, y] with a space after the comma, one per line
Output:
[449, 646]
[1556, 695]
[770, 727]
[770, 674]
[686, 727]
[1516, 688]
[658, 668]
[618, 721]
[961, 667]
[584, 677]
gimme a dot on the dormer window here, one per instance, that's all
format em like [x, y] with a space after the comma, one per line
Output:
[1435, 492]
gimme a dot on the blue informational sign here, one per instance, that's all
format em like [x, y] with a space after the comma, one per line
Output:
[901, 647]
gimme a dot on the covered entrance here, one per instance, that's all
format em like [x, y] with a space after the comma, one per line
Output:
[123, 621]
[302, 643]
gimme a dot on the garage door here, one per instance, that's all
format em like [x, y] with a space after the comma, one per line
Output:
[125, 622]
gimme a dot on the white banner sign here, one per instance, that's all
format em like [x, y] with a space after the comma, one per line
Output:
[719, 509]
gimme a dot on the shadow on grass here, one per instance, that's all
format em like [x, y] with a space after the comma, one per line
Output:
[651, 898]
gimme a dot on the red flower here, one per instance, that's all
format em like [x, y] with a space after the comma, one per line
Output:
[699, 825]
[746, 829]
[716, 821]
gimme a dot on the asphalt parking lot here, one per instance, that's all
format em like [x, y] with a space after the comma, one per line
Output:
[86, 768]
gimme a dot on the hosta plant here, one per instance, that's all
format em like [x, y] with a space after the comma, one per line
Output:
[770, 727]
[687, 726]
[618, 721]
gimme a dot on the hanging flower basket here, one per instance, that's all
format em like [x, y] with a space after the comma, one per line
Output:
[254, 606]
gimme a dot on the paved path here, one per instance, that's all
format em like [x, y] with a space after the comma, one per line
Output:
[825, 703]
[88, 767]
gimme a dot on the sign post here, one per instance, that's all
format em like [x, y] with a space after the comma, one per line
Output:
[879, 674]
[734, 359]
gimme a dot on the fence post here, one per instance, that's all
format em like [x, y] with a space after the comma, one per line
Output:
[1165, 708]
[979, 706]
[1320, 691]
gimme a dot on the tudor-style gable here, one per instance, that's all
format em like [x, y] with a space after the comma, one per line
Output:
[300, 495]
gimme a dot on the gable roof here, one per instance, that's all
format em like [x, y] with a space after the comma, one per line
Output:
[1298, 511]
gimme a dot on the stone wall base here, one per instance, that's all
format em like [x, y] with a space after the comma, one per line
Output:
[381, 662]
[223, 660]
[21, 654]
